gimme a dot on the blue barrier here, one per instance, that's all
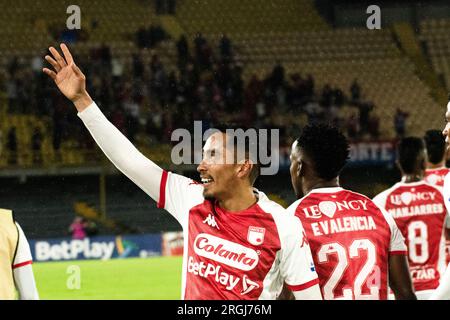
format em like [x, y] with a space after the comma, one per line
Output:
[102, 248]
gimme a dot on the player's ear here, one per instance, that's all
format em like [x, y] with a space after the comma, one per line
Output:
[244, 168]
[300, 168]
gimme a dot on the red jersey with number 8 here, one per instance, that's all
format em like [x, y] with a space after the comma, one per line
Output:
[419, 211]
[350, 240]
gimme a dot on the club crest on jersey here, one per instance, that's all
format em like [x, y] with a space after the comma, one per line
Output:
[255, 235]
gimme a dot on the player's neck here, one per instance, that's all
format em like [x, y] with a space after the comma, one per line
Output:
[438, 165]
[410, 178]
[239, 201]
[319, 183]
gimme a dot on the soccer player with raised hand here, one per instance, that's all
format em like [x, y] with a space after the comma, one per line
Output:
[238, 243]
[356, 246]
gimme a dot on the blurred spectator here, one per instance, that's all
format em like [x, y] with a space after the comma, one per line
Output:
[400, 122]
[11, 92]
[91, 228]
[355, 91]
[353, 126]
[326, 96]
[12, 145]
[149, 38]
[277, 77]
[78, 228]
[374, 126]
[225, 48]
[183, 52]
[36, 143]
[364, 114]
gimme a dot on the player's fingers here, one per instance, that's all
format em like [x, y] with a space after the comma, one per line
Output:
[53, 63]
[62, 63]
[67, 54]
[77, 70]
[50, 73]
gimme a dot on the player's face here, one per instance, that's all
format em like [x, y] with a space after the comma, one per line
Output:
[295, 170]
[217, 170]
[446, 131]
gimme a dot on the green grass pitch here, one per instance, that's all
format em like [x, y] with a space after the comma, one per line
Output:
[150, 278]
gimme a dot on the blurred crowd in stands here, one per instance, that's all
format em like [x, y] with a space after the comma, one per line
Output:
[207, 84]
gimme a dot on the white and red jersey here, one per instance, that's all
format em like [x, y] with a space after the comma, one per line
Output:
[351, 240]
[446, 193]
[419, 211]
[436, 176]
[242, 255]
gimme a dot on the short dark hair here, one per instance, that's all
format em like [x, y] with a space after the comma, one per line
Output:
[408, 151]
[435, 143]
[256, 169]
[327, 148]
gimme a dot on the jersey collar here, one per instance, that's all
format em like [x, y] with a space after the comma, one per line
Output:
[326, 190]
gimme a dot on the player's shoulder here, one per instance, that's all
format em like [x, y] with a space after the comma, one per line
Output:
[285, 222]
[447, 180]
[270, 206]
[383, 195]
[432, 186]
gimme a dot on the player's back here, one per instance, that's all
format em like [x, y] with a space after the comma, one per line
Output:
[350, 240]
[436, 176]
[419, 212]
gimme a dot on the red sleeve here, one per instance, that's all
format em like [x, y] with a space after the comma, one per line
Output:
[162, 190]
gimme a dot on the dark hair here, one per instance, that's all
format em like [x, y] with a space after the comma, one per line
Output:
[435, 143]
[408, 151]
[256, 169]
[327, 148]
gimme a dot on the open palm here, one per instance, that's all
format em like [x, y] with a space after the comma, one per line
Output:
[67, 76]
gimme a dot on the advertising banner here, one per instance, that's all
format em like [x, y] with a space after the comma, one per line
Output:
[102, 248]
[172, 244]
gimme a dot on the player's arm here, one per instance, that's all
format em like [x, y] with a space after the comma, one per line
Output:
[399, 277]
[297, 266]
[72, 83]
[23, 271]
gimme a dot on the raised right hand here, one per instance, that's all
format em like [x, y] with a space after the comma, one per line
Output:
[68, 77]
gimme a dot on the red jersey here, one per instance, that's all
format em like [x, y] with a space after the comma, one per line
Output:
[419, 211]
[242, 255]
[351, 240]
[436, 176]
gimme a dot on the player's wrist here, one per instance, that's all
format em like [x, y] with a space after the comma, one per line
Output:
[82, 101]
